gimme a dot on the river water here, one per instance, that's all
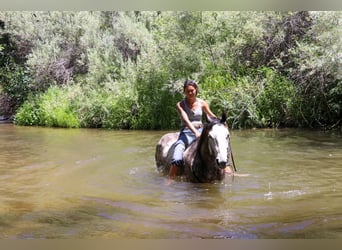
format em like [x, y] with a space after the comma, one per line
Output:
[90, 183]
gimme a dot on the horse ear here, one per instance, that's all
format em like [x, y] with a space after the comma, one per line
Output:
[223, 117]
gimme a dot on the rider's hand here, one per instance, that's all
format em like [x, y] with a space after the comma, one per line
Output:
[197, 134]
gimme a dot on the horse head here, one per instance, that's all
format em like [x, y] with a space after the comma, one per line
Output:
[216, 134]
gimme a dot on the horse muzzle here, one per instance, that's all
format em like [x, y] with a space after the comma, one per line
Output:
[221, 164]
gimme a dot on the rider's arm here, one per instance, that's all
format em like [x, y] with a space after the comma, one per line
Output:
[207, 110]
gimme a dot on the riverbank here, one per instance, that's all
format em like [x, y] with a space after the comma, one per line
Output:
[6, 119]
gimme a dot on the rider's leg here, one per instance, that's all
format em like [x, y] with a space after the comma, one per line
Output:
[177, 159]
[173, 171]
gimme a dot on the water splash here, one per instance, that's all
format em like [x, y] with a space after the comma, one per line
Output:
[293, 193]
[269, 195]
[133, 171]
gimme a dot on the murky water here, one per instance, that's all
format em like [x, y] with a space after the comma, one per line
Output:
[83, 183]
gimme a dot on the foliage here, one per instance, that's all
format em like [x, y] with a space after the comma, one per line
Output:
[276, 102]
[97, 108]
[263, 98]
[50, 109]
[124, 69]
[14, 76]
[157, 98]
[317, 74]
[76, 106]
[15, 85]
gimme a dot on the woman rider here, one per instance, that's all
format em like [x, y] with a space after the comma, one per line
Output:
[190, 110]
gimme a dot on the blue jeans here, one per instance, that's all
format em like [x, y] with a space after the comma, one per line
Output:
[186, 137]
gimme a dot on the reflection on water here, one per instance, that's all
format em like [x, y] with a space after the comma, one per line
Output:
[83, 183]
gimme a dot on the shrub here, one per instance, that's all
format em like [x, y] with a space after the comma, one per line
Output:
[236, 96]
[275, 104]
[261, 98]
[51, 109]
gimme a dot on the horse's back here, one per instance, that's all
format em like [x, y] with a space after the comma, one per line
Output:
[163, 155]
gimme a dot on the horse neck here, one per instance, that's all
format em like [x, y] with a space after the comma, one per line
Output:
[201, 168]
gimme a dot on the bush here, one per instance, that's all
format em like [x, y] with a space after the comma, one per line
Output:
[15, 86]
[103, 108]
[236, 96]
[51, 109]
[29, 113]
[275, 103]
[157, 98]
[262, 98]
[122, 113]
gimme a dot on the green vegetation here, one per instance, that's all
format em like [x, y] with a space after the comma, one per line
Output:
[124, 70]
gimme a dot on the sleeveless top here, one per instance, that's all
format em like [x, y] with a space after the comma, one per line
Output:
[195, 116]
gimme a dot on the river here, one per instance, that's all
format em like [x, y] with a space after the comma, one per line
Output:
[103, 184]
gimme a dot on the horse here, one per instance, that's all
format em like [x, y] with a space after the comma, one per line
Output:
[205, 159]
